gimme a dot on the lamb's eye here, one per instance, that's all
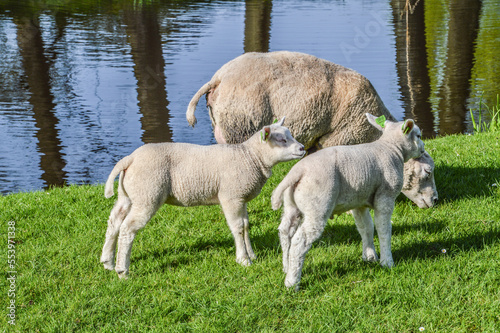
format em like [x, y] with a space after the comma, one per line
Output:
[419, 136]
[281, 140]
[427, 173]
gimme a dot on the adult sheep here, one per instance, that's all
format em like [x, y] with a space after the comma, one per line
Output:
[324, 104]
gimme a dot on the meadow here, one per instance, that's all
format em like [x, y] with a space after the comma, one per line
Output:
[184, 277]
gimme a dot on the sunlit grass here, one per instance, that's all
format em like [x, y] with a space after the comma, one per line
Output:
[184, 276]
[493, 125]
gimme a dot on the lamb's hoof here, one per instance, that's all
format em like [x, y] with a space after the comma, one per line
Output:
[370, 256]
[389, 263]
[122, 274]
[244, 261]
[109, 265]
[290, 284]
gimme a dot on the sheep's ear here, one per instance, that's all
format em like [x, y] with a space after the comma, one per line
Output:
[280, 123]
[265, 133]
[408, 126]
[378, 123]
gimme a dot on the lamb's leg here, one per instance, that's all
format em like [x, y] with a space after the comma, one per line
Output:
[118, 214]
[382, 216]
[289, 224]
[235, 212]
[246, 235]
[310, 230]
[135, 221]
[364, 223]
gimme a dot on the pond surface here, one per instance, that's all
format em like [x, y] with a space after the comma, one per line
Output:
[84, 84]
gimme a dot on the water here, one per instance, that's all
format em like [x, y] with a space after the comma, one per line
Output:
[86, 83]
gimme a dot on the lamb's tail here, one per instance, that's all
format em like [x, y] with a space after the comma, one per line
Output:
[122, 165]
[194, 101]
[291, 179]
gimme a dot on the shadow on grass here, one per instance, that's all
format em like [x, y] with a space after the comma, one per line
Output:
[267, 244]
[423, 250]
[314, 273]
[182, 254]
[430, 226]
[449, 247]
[455, 183]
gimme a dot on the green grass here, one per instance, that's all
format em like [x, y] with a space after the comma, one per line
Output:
[184, 277]
[493, 125]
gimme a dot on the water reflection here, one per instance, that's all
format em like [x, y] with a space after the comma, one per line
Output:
[411, 59]
[462, 32]
[257, 25]
[144, 37]
[87, 82]
[36, 69]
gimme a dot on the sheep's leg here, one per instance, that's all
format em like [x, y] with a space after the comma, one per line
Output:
[116, 217]
[382, 216]
[135, 221]
[364, 223]
[246, 235]
[310, 230]
[289, 224]
[235, 213]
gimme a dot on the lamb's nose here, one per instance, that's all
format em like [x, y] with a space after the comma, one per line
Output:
[434, 200]
[301, 148]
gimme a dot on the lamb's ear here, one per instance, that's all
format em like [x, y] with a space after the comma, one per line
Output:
[378, 123]
[280, 123]
[265, 133]
[408, 126]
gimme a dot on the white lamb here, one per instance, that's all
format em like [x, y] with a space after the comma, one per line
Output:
[337, 179]
[189, 175]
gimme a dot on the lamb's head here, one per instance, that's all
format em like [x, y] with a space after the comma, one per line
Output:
[280, 145]
[419, 185]
[406, 134]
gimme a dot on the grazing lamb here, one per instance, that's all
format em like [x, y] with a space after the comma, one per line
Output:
[338, 179]
[324, 104]
[184, 174]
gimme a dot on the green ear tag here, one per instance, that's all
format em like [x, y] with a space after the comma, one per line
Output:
[405, 131]
[275, 121]
[264, 134]
[381, 121]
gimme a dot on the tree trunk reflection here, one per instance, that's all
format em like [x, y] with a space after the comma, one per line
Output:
[149, 68]
[462, 33]
[411, 55]
[257, 25]
[36, 68]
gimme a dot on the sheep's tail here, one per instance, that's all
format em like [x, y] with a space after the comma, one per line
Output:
[122, 165]
[194, 101]
[291, 179]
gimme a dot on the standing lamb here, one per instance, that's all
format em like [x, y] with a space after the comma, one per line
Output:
[337, 179]
[324, 103]
[190, 175]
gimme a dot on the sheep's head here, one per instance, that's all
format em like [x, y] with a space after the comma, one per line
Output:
[282, 145]
[419, 185]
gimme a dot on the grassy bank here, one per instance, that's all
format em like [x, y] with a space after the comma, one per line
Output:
[184, 276]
